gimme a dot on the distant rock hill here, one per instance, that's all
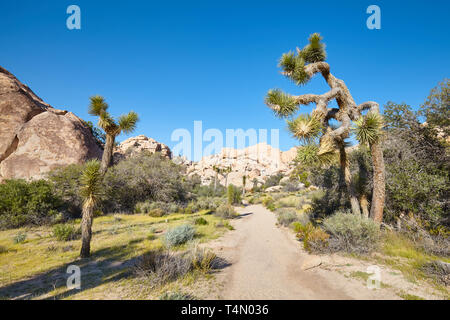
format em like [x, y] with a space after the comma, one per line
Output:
[36, 138]
[255, 162]
[138, 144]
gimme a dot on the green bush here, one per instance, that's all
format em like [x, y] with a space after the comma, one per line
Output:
[66, 232]
[234, 194]
[20, 237]
[27, 203]
[201, 221]
[161, 267]
[225, 211]
[156, 207]
[66, 182]
[269, 203]
[273, 180]
[314, 238]
[143, 177]
[286, 216]
[352, 233]
[179, 235]
[209, 203]
[158, 212]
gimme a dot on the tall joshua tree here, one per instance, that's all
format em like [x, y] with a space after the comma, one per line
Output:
[300, 67]
[368, 130]
[90, 191]
[125, 123]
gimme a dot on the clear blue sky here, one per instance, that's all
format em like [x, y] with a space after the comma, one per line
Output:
[176, 62]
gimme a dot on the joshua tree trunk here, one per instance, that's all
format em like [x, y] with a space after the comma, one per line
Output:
[345, 169]
[364, 206]
[378, 196]
[107, 153]
[86, 229]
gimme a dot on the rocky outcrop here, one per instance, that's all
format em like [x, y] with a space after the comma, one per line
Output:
[36, 138]
[138, 144]
[255, 162]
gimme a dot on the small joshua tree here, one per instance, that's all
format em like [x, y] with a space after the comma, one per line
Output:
[300, 67]
[90, 191]
[125, 123]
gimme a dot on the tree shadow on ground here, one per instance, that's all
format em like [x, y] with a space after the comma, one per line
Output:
[109, 263]
[240, 216]
[104, 266]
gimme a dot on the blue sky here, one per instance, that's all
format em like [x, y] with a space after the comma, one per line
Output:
[176, 62]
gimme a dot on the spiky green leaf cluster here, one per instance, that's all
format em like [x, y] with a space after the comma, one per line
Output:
[308, 156]
[281, 103]
[368, 128]
[315, 50]
[126, 123]
[305, 127]
[294, 67]
[91, 181]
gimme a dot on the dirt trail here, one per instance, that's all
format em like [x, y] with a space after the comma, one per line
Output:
[266, 263]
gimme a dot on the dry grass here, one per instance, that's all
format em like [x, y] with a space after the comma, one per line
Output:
[36, 268]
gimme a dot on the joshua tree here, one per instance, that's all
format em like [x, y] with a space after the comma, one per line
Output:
[225, 172]
[244, 181]
[368, 130]
[301, 66]
[90, 191]
[125, 123]
[217, 170]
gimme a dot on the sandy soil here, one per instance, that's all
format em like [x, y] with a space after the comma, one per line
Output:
[267, 262]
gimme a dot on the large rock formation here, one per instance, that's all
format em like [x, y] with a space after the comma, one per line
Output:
[138, 144]
[256, 162]
[36, 138]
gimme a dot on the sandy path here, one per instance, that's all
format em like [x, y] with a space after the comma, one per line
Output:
[266, 264]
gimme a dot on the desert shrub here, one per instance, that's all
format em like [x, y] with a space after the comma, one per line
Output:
[352, 233]
[273, 180]
[66, 182]
[210, 190]
[292, 186]
[161, 267]
[179, 235]
[427, 199]
[190, 208]
[290, 201]
[200, 221]
[314, 238]
[268, 202]
[203, 259]
[20, 237]
[209, 203]
[176, 295]
[65, 232]
[286, 216]
[225, 211]
[234, 194]
[142, 207]
[142, 177]
[27, 203]
[158, 212]
[156, 208]
[438, 270]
